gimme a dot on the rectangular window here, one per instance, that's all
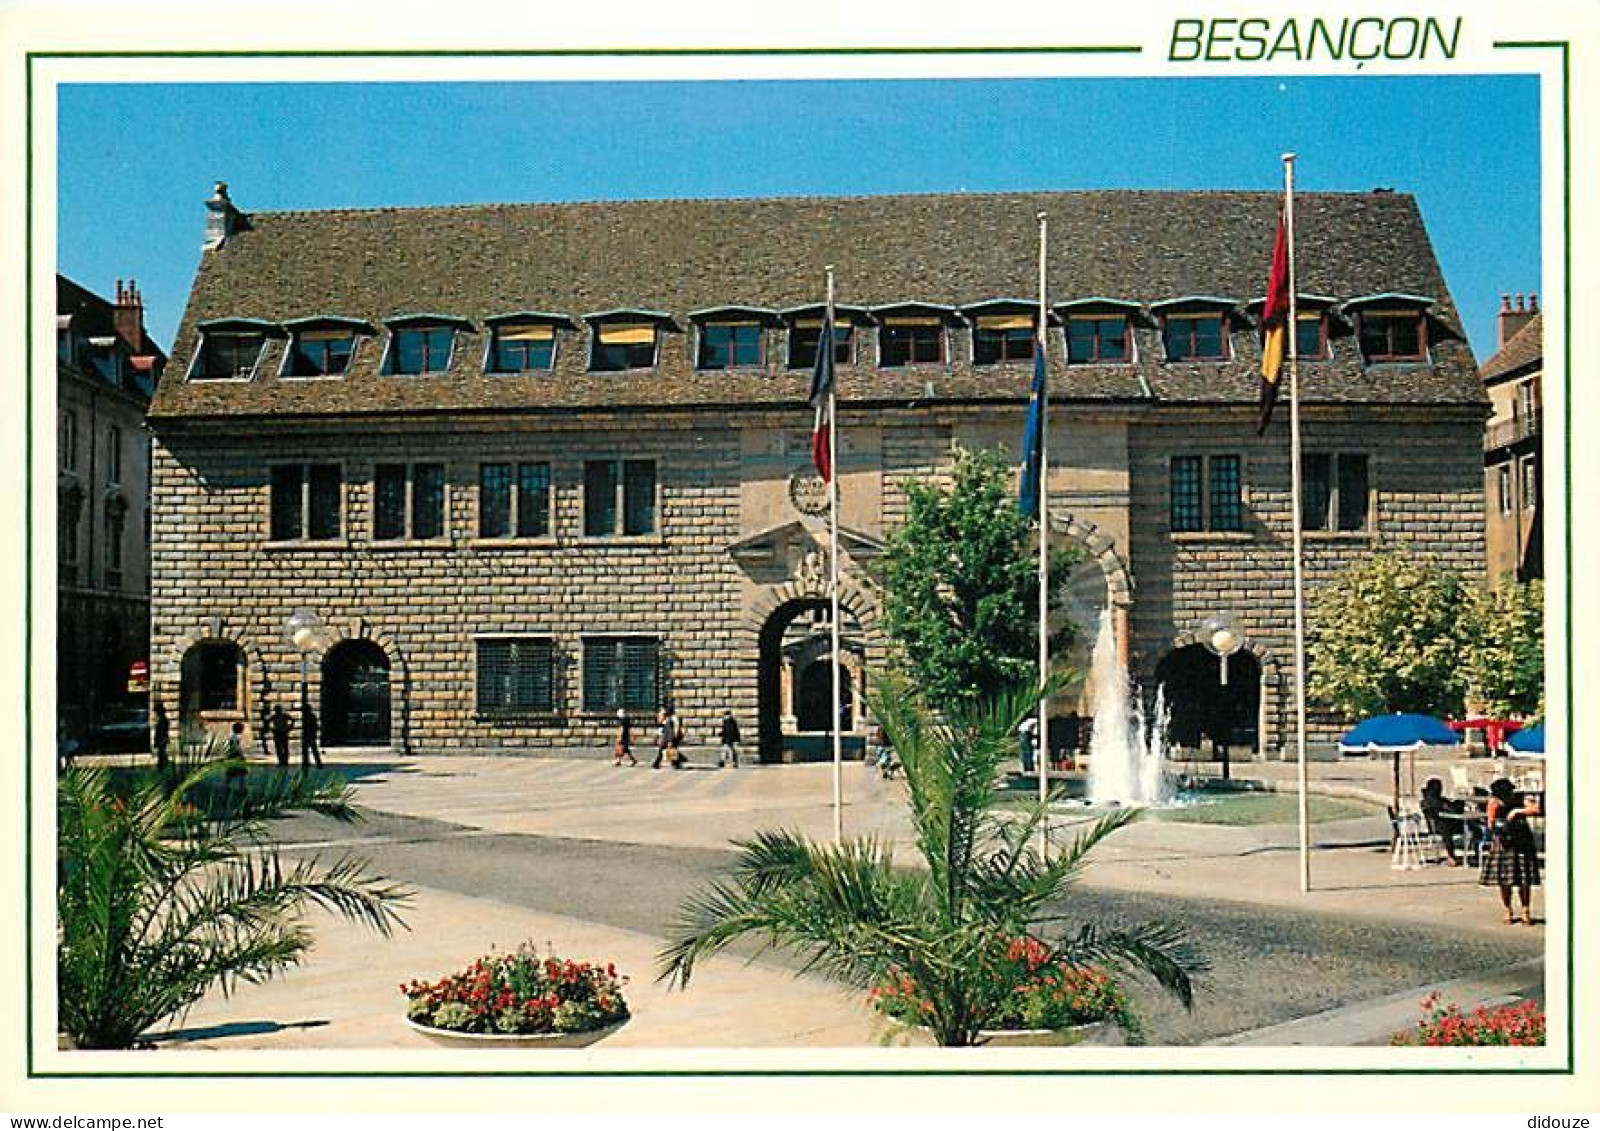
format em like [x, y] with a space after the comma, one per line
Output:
[803, 339]
[516, 674]
[1096, 338]
[408, 500]
[1002, 338]
[69, 439]
[1527, 406]
[306, 502]
[523, 349]
[1530, 484]
[319, 353]
[1186, 495]
[1227, 512]
[1503, 477]
[421, 350]
[113, 454]
[1335, 494]
[1391, 335]
[116, 527]
[620, 672]
[1308, 341]
[494, 500]
[613, 488]
[227, 354]
[1193, 337]
[514, 497]
[910, 341]
[533, 500]
[729, 345]
[623, 346]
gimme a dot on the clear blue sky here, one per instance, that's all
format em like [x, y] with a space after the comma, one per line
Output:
[138, 161]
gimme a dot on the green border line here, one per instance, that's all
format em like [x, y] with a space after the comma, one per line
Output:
[28, 510]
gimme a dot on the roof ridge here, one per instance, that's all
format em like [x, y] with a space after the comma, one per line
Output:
[804, 198]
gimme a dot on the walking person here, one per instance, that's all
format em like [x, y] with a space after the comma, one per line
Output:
[309, 748]
[163, 736]
[675, 735]
[1027, 743]
[279, 724]
[663, 737]
[1512, 862]
[624, 746]
[728, 735]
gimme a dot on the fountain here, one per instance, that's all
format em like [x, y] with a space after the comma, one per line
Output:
[1125, 748]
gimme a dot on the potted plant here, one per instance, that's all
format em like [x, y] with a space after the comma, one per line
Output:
[947, 926]
[1049, 1002]
[521, 999]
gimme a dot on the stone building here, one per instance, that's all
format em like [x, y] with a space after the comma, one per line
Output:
[1513, 443]
[106, 367]
[533, 465]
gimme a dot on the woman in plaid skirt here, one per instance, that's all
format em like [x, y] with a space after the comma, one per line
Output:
[1513, 859]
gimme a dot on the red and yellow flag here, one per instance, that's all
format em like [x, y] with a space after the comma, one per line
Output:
[1275, 324]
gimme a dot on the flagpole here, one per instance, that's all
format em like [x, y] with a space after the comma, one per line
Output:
[1294, 526]
[1041, 742]
[825, 341]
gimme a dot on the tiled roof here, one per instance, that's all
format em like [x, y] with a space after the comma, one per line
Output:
[1525, 348]
[680, 256]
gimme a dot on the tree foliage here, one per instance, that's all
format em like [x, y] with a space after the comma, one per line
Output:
[948, 925]
[1388, 634]
[1505, 664]
[961, 585]
[169, 888]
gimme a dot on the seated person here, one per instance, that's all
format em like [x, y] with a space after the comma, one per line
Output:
[1432, 803]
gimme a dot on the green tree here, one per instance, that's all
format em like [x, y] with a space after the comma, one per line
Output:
[947, 925]
[1389, 634]
[961, 585]
[1505, 663]
[167, 889]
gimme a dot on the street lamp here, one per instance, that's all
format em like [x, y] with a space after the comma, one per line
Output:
[304, 630]
[1222, 640]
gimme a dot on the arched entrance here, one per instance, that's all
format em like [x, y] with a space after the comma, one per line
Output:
[793, 696]
[210, 682]
[1202, 706]
[355, 695]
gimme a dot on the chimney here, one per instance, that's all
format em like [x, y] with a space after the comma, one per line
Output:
[222, 218]
[127, 316]
[1514, 318]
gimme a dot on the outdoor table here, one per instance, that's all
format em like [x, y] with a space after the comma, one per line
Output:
[1471, 816]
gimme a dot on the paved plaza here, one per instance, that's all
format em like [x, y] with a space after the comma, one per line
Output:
[594, 859]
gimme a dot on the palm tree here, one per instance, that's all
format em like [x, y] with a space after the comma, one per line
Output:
[851, 914]
[169, 888]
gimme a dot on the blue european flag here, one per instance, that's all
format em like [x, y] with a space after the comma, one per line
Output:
[1033, 439]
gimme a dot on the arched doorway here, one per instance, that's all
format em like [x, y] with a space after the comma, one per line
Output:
[355, 695]
[793, 697]
[1202, 706]
[210, 681]
[814, 696]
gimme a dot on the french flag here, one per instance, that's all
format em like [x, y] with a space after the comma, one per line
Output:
[821, 395]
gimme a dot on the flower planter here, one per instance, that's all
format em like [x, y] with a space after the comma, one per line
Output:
[1102, 1033]
[457, 1039]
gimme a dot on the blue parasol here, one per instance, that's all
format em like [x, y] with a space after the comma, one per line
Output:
[1528, 740]
[1394, 733]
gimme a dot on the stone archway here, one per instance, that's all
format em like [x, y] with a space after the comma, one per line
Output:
[1255, 684]
[362, 656]
[208, 676]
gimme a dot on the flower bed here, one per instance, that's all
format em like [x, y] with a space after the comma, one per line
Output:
[1521, 1024]
[520, 994]
[1034, 993]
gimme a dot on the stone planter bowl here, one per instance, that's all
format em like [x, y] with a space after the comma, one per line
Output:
[1094, 1033]
[454, 1039]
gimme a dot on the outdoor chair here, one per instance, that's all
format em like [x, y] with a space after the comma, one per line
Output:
[1461, 780]
[1409, 852]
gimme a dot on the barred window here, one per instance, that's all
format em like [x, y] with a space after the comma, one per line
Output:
[1186, 512]
[1207, 493]
[408, 498]
[613, 488]
[516, 674]
[306, 502]
[621, 672]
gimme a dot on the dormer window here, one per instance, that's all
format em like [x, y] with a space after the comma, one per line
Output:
[421, 344]
[999, 338]
[729, 345]
[625, 339]
[1391, 335]
[805, 333]
[229, 351]
[523, 343]
[321, 347]
[1096, 337]
[1194, 336]
[911, 335]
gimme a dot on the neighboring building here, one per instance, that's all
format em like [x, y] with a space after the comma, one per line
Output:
[535, 464]
[1513, 443]
[106, 368]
